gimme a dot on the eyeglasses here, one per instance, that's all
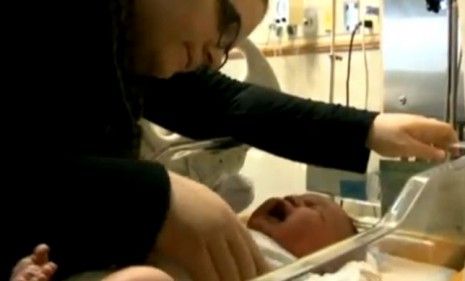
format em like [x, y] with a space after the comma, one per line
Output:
[229, 26]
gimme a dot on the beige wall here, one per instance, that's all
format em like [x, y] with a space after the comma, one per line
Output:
[308, 76]
[324, 14]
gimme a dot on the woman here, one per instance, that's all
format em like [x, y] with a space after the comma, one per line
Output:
[81, 74]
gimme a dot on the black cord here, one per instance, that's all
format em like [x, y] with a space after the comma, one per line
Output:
[349, 61]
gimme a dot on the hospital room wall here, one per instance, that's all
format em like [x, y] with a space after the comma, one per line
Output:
[321, 12]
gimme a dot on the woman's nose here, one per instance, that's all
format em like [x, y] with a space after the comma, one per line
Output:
[213, 57]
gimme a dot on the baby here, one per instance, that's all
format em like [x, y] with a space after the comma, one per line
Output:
[302, 224]
[284, 228]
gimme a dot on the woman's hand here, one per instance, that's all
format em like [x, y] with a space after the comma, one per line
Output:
[406, 135]
[204, 236]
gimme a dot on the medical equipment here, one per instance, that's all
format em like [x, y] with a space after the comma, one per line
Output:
[416, 80]
[420, 54]
[332, 54]
[409, 229]
[360, 25]
[453, 64]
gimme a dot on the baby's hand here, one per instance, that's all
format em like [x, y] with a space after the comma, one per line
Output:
[35, 267]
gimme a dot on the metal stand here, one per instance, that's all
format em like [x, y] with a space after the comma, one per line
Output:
[453, 67]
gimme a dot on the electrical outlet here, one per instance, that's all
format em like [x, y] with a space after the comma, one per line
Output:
[310, 25]
[351, 14]
[372, 14]
[282, 11]
[292, 30]
[372, 10]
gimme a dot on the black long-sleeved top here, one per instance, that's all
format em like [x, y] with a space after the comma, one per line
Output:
[70, 139]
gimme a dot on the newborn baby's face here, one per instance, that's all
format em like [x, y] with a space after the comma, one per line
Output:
[302, 224]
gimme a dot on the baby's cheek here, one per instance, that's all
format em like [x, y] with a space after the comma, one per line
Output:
[289, 239]
[301, 235]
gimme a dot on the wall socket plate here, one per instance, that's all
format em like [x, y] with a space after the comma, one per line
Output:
[351, 14]
[310, 25]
